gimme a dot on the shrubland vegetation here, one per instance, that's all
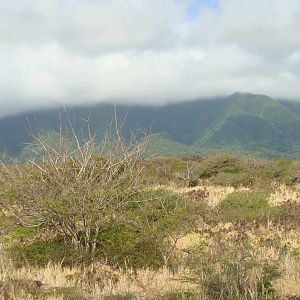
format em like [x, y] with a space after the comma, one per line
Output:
[91, 223]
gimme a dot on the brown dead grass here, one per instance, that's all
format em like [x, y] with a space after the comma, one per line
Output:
[288, 286]
[96, 282]
[283, 194]
[215, 194]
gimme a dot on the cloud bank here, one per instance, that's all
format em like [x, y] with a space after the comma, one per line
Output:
[55, 52]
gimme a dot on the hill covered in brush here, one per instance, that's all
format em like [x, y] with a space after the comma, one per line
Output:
[240, 124]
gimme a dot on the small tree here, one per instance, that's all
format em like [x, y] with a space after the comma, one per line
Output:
[73, 191]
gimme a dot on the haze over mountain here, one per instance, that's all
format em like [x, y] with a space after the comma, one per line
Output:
[242, 123]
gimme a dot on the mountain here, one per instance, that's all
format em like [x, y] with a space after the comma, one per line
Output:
[242, 123]
[254, 124]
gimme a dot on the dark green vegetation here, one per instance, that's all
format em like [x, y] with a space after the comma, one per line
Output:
[222, 170]
[240, 124]
[246, 205]
[227, 271]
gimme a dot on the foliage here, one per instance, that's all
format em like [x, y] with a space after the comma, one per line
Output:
[219, 164]
[232, 272]
[145, 235]
[154, 224]
[42, 252]
[73, 192]
[234, 179]
[247, 205]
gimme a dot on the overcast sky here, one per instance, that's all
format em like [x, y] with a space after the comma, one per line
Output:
[55, 52]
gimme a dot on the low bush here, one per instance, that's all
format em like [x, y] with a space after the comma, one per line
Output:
[245, 205]
[144, 237]
[40, 253]
[219, 164]
[234, 179]
[124, 245]
[230, 271]
[153, 224]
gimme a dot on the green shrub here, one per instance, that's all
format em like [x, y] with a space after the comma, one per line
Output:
[143, 240]
[234, 179]
[281, 171]
[140, 239]
[245, 205]
[179, 165]
[231, 271]
[41, 253]
[125, 245]
[219, 164]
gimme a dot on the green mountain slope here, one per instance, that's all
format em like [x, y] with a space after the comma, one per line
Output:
[243, 123]
[160, 145]
[253, 123]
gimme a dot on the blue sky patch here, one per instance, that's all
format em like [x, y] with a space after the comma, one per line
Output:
[195, 7]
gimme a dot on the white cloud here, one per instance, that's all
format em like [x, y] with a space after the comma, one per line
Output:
[142, 51]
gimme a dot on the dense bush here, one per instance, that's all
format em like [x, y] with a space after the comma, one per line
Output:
[144, 237]
[73, 192]
[219, 164]
[230, 271]
[42, 253]
[153, 224]
[239, 179]
[245, 205]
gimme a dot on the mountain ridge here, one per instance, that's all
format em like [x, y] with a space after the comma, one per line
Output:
[242, 123]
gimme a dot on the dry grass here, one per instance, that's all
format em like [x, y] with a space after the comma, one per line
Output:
[283, 194]
[96, 282]
[215, 194]
[288, 286]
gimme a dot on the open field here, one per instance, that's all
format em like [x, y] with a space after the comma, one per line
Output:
[202, 228]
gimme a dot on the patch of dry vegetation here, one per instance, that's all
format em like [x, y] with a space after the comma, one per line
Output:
[283, 194]
[215, 228]
[211, 194]
[99, 281]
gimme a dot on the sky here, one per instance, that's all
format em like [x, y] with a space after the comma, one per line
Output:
[55, 52]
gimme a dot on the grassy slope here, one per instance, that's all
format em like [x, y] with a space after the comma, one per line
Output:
[161, 145]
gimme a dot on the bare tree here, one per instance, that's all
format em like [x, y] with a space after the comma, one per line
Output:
[73, 191]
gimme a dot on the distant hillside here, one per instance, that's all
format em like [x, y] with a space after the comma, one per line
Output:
[241, 124]
[254, 124]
